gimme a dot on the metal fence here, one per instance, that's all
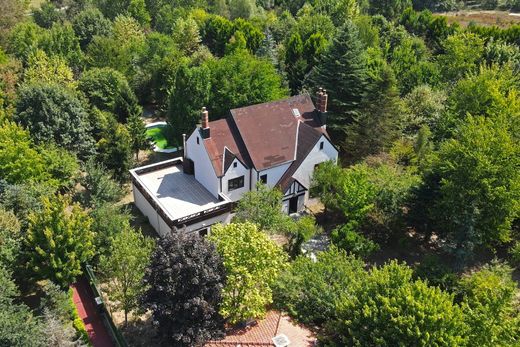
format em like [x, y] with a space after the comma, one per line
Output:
[105, 313]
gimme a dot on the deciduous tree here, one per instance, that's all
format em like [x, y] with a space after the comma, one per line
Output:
[59, 239]
[391, 309]
[185, 281]
[477, 193]
[490, 306]
[309, 289]
[124, 268]
[253, 262]
[53, 114]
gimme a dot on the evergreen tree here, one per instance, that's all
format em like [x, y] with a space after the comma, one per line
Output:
[376, 127]
[342, 71]
[137, 132]
[267, 49]
[295, 63]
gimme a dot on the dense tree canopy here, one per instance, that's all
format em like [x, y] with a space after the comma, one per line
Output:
[58, 241]
[184, 283]
[252, 263]
[391, 309]
[54, 114]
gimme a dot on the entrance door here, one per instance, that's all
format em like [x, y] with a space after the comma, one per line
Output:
[293, 205]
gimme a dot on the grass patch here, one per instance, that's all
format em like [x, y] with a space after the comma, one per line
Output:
[162, 136]
[502, 19]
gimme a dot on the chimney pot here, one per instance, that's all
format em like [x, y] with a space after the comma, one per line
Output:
[204, 118]
[205, 123]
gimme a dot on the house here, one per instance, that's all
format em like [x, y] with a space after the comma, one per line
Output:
[278, 143]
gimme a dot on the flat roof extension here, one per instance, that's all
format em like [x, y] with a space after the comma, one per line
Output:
[179, 195]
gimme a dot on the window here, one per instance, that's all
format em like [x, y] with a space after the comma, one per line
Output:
[263, 179]
[235, 164]
[321, 145]
[235, 183]
[198, 140]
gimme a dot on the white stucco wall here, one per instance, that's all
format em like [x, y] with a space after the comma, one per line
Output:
[224, 219]
[160, 225]
[273, 174]
[316, 156]
[234, 172]
[155, 220]
[204, 172]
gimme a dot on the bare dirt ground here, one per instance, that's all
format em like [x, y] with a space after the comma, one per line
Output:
[501, 19]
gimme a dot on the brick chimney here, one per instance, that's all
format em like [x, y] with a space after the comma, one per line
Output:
[321, 106]
[205, 123]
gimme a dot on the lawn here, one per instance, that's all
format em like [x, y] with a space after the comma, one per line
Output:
[161, 136]
[501, 19]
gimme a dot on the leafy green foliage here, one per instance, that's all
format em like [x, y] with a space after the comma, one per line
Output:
[48, 70]
[262, 207]
[99, 185]
[462, 53]
[54, 114]
[137, 131]
[353, 242]
[477, 174]
[300, 232]
[309, 290]
[390, 309]
[124, 268]
[242, 79]
[18, 326]
[391, 9]
[10, 239]
[490, 306]
[252, 262]
[190, 93]
[376, 126]
[184, 283]
[58, 241]
[90, 23]
[115, 149]
[47, 15]
[108, 220]
[108, 90]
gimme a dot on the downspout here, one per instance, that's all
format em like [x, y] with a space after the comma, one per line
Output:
[184, 149]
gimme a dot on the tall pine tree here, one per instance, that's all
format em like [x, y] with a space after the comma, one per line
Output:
[342, 71]
[376, 126]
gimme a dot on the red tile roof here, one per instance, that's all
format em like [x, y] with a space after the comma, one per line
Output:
[262, 135]
[224, 136]
[262, 333]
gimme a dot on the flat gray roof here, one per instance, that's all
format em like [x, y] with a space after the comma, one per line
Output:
[179, 194]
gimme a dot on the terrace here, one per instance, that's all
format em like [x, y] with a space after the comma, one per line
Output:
[177, 197]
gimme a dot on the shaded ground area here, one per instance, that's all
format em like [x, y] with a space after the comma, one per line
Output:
[487, 18]
[86, 305]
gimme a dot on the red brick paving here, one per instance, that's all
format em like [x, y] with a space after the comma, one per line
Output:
[86, 305]
[261, 334]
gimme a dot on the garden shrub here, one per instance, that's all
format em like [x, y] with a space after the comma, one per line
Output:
[309, 290]
[77, 322]
[347, 238]
[514, 252]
